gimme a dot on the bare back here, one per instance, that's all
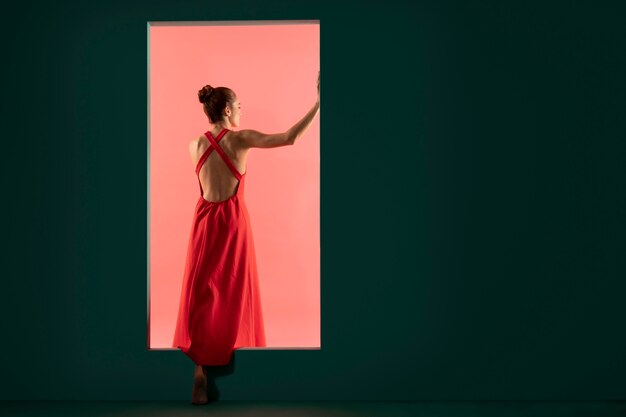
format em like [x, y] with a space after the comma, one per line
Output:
[218, 182]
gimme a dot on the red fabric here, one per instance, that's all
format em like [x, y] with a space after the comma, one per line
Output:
[220, 303]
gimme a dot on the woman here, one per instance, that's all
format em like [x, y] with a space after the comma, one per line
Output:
[220, 305]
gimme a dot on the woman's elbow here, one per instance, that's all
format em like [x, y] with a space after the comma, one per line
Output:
[290, 138]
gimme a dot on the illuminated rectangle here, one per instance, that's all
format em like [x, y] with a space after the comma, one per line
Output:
[273, 68]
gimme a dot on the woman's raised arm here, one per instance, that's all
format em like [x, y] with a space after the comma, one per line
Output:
[254, 139]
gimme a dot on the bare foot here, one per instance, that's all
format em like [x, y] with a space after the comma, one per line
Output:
[199, 392]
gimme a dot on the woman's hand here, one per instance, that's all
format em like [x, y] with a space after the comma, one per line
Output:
[318, 86]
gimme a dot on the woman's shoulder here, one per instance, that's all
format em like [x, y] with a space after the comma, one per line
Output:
[198, 144]
[233, 140]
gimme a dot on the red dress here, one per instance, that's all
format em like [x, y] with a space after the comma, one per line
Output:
[220, 302]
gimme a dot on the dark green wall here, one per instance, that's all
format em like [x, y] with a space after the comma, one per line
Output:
[473, 231]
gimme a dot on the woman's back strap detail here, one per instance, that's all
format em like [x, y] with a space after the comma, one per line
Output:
[206, 153]
[221, 152]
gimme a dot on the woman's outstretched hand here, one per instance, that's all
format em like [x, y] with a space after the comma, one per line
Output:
[318, 86]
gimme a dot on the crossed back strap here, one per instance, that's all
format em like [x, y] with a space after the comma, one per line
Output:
[220, 151]
[210, 149]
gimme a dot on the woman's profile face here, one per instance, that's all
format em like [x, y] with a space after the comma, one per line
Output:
[235, 112]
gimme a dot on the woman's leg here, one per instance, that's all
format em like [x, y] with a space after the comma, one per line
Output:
[211, 373]
[199, 392]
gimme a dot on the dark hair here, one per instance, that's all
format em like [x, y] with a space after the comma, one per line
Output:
[215, 100]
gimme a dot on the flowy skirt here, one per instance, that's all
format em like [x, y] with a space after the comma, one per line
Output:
[220, 303]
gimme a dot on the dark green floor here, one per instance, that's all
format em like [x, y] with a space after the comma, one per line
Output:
[314, 409]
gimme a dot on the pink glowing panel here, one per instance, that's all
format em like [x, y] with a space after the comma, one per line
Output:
[272, 67]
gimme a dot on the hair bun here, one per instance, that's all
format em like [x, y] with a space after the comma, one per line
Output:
[204, 94]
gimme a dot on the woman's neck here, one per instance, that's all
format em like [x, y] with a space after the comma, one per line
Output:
[222, 125]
